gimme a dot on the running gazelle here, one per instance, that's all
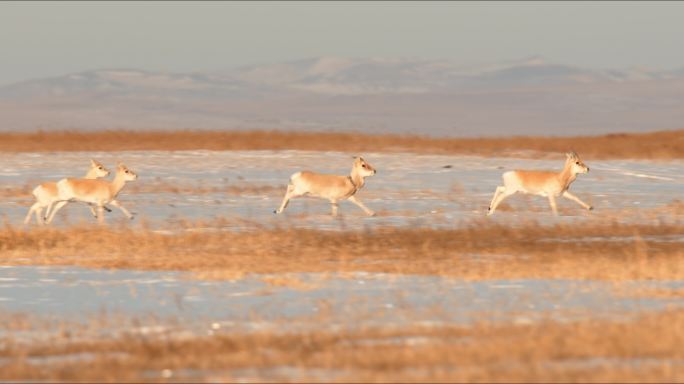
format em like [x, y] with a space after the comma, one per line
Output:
[46, 194]
[96, 192]
[331, 187]
[542, 183]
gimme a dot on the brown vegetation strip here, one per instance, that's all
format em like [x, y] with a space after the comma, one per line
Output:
[645, 349]
[482, 250]
[655, 145]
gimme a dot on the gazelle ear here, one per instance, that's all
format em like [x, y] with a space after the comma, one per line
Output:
[93, 163]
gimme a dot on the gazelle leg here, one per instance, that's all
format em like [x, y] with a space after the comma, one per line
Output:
[499, 195]
[498, 191]
[40, 219]
[552, 202]
[43, 217]
[334, 207]
[100, 214]
[121, 207]
[56, 207]
[576, 199]
[92, 206]
[361, 205]
[288, 195]
[34, 208]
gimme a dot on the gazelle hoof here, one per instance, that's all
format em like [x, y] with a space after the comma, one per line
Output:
[591, 208]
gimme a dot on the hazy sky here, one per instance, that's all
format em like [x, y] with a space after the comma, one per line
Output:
[45, 39]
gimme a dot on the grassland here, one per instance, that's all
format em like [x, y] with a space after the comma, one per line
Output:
[656, 145]
[644, 349]
[605, 250]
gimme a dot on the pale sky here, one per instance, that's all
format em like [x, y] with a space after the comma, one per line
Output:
[42, 39]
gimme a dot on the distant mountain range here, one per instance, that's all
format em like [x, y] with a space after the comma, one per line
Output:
[435, 97]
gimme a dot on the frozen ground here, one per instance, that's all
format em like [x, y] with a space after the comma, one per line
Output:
[408, 190]
[255, 301]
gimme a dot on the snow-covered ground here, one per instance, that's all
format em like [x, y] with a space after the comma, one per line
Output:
[408, 190]
[252, 302]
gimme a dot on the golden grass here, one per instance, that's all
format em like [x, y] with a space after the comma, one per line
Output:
[480, 250]
[655, 145]
[643, 349]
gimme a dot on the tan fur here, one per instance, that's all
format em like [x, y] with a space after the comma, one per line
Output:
[331, 187]
[46, 193]
[542, 183]
[96, 192]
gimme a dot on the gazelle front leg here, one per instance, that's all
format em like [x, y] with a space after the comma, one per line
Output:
[361, 205]
[334, 207]
[288, 195]
[53, 211]
[499, 196]
[576, 199]
[118, 205]
[34, 208]
[552, 202]
[100, 214]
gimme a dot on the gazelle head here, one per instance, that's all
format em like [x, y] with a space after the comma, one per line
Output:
[362, 167]
[128, 175]
[576, 164]
[98, 169]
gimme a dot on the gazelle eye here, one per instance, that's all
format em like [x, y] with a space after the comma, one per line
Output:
[577, 163]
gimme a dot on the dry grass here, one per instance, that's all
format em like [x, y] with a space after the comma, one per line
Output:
[645, 349]
[481, 250]
[656, 145]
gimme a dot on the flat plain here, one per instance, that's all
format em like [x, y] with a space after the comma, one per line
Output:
[207, 284]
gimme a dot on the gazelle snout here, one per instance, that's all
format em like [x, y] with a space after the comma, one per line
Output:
[365, 168]
[580, 167]
[128, 174]
[100, 170]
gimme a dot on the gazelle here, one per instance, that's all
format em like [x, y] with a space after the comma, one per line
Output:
[96, 192]
[542, 183]
[331, 187]
[46, 193]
